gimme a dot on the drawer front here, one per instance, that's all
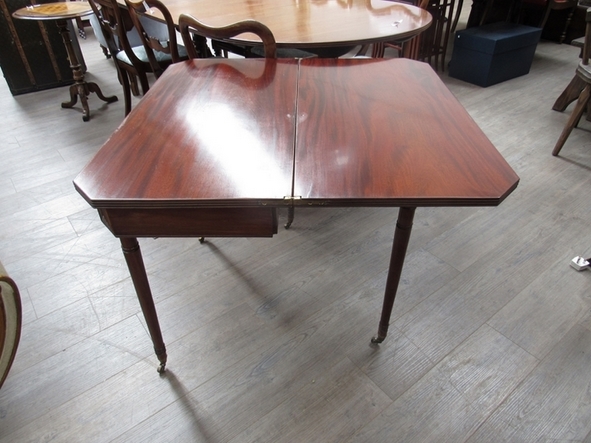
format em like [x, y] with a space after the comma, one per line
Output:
[191, 222]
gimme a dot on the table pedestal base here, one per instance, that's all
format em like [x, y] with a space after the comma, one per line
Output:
[80, 88]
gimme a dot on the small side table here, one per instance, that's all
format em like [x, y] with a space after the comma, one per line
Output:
[61, 12]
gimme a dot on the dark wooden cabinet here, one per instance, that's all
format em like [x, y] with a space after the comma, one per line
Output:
[32, 53]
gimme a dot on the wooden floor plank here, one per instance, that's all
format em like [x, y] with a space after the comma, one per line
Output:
[554, 402]
[457, 395]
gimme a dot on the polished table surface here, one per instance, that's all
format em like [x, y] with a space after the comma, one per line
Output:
[54, 11]
[312, 23]
[217, 145]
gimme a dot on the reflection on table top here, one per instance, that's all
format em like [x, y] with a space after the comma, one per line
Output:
[340, 132]
[54, 11]
[313, 23]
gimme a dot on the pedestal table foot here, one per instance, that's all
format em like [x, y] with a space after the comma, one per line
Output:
[73, 98]
[80, 88]
[93, 87]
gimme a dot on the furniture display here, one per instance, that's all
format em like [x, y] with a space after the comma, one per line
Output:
[61, 13]
[406, 48]
[576, 85]
[311, 25]
[431, 45]
[583, 74]
[10, 322]
[490, 54]
[537, 13]
[130, 61]
[310, 133]
[434, 43]
[32, 54]
[158, 51]
[81, 24]
[188, 26]
[545, 7]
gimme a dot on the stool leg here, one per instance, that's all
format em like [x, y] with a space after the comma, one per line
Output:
[570, 94]
[573, 119]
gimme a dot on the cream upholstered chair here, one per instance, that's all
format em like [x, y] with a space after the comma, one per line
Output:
[160, 52]
[131, 61]
[10, 322]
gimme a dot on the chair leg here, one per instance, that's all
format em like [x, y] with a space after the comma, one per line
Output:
[546, 15]
[290, 216]
[377, 50]
[135, 89]
[573, 119]
[126, 91]
[567, 25]
[144, 82]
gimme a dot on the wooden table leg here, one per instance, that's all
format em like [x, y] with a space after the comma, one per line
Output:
[401, 238]
[80, 88]
[135, 263]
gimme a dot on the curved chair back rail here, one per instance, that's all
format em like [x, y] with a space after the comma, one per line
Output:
[160, 52]
[189, 25]
[10, 322]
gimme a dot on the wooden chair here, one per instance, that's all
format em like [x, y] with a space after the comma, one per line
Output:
[188, 25]
[583, 73]
[422, 45]
[160, 52]
[547, 6]
[10, 322]
[131, 62]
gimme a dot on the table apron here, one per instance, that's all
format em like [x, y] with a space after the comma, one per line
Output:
[190, 222]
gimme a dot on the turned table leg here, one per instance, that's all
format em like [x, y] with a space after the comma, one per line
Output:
[135, 263]
[399, 246]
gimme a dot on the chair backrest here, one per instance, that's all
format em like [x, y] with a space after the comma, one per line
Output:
[189, 25]
[587, 46]
[10, 322]
[114, 26]
[151, 41]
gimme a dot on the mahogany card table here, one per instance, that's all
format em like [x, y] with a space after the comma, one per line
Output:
[218, 145]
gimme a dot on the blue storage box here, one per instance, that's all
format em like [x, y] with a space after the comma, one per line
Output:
[493, 53]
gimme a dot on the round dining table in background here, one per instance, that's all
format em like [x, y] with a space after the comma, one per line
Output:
[312, 24]
[61, 12]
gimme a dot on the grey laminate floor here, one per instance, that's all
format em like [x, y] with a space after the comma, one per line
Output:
[268, 339]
